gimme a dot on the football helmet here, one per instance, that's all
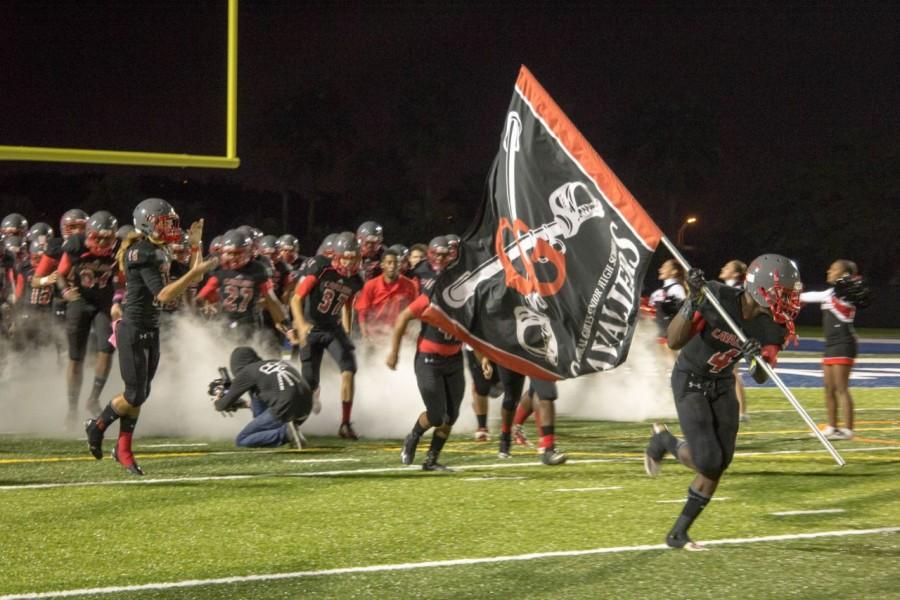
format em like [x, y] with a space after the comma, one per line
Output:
[288, 247]
[453, 240]
[72, 222]
[268, 246]
[326, 249]
[438, 253]
[155, 218]
[346, 254]
[36, 251]
[773, 281]
[14, 247]
[181, 250]
[215, 245]
[39, 230]
[370, 236]
[124, 231]
[100, 233]
[14, 224]
[237, 249]
[402, 256]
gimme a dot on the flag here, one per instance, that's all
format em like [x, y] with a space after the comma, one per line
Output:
[549, 277]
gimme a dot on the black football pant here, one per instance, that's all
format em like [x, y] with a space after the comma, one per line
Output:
[442, 384]
[709, 416]
[138, 360]
[80, 316]
[514, 383]
[338, 345]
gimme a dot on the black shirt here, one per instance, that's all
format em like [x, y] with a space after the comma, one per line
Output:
[146, 274]
[328, 294]
[277, 384]
[93, 276]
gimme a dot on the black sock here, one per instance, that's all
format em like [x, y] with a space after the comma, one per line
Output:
[437, 444]
[97, 389]
[692, 509]
[128, 424]
[547, 429]
[107, 417]
[482, 421]
[418, 430]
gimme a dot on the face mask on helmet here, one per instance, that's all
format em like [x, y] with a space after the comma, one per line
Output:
[13, 247]
[453, 244]
[235, 257]
[327, 247]
[154, 217]
[346, 254]
[41, 232]
[72, 222]
[35, 252]
[438, 253]
[14, 224]
[773, 281]
[370, 236]
[100, 233]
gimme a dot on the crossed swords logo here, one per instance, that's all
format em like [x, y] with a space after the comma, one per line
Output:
[572, 204]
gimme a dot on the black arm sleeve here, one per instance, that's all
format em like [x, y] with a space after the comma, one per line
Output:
[243, 382]
[152, 278]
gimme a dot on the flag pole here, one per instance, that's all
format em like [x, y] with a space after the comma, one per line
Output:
[762, 363]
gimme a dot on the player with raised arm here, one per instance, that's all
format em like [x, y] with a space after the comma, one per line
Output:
[702, 380]
[144, 258]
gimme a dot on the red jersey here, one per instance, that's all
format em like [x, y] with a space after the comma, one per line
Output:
[379, 302]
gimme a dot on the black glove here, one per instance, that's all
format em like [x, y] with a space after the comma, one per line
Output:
[695, 282]
[750, 349]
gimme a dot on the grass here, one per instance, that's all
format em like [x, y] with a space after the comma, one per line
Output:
[273, 520]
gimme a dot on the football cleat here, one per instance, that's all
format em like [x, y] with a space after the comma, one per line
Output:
[552, 457]
[519, 436]
[505, 443]
[846, 434]
[431, 464]
[655, 451]
[94, 438]
[408, 453]
[346, 432]
[132, 468]
[482, 435]
[681, 540]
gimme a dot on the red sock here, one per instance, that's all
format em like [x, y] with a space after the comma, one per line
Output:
[548, 441]
[521, 415]
[346, 407]
[123, 448]
[504, 427]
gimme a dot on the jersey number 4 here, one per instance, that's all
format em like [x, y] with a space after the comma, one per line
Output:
[721, 360]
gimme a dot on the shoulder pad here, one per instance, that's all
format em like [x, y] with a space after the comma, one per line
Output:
[145, 253]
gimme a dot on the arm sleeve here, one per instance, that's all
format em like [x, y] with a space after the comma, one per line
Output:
[212, 284]
[152, 278]
[419, 305]
[46, 266]
[65, 264]
[814, 297]
[20, 286]
[243, 381]
[306, 285]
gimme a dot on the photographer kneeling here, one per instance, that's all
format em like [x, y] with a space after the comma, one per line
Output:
[282, 399]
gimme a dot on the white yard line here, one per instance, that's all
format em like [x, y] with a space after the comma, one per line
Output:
[823, 511]
[192, 583]
[336, 473]
[312, 461]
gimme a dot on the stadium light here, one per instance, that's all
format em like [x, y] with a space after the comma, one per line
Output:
[154, 159]
[680, 237]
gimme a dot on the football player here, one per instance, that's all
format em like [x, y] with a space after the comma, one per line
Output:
[546, 393]
[144, 259]
[90, 279]
[322, 309]
[238, 284]
[733, 274]
[438, 365]
[839, 304]
[702, 381]
[370, 236]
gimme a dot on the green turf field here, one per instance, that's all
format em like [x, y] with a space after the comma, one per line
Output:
[312, 528]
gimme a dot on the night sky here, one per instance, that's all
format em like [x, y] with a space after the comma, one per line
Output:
[784, 86]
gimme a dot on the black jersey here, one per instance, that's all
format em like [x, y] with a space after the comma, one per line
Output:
[276, 383]
[426, 277]
[286, 276]
[239, 290]
[325, 293]
[146, 274]
[93, 276]
[714, 350]
[370, 267]
[34, 298]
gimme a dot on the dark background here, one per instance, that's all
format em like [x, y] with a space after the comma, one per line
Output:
[776, 126]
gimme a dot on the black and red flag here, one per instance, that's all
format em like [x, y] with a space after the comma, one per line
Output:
[548, 281]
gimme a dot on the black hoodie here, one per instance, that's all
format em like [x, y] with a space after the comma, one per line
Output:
[277, 384]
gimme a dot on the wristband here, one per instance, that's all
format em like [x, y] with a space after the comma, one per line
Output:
[42, 281]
